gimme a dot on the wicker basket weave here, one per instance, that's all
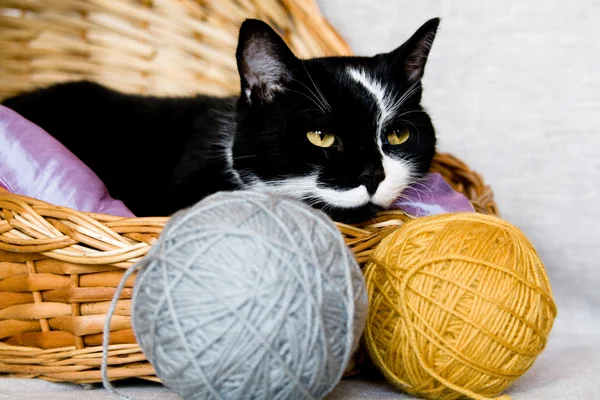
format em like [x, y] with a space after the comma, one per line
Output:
[59, 268]
[146, 46]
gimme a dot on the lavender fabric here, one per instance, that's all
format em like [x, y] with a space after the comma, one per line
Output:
[34, 164]
[433, 195]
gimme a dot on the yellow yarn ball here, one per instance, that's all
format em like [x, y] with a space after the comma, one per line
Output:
[460, 305]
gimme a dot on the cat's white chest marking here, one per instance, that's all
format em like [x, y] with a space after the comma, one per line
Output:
[397, 172]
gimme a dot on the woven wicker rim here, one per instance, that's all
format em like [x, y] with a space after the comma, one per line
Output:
[62, 267]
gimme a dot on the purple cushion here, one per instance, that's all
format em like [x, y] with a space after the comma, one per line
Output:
[432, 195]
[34, 164]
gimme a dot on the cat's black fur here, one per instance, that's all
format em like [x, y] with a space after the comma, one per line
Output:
[159, 155]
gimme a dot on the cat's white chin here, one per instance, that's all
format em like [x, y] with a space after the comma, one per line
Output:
[397, 178]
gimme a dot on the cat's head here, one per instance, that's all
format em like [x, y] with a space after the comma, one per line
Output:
[345, 134]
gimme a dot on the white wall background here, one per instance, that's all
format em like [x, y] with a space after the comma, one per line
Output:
[514, 90]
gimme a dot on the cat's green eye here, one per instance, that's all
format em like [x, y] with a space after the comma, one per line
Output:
[320, 139]
[398, 136]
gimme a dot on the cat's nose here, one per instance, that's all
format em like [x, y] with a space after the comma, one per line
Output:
[371, 177]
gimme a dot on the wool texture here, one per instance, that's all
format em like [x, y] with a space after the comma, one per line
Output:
[460, 306]
[248, 295]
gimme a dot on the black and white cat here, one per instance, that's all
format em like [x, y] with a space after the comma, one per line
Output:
[344, 134]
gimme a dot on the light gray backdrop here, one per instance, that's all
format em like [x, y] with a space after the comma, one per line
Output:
[513, 88]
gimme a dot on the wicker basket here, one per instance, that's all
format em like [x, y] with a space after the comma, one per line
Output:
[146, 46]
[59, 268]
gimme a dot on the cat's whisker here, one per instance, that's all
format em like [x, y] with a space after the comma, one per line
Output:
[311, 99]
[410, 112]
[402, 197]
[405, 121]
[323, 106]
[307, 88]
[428, 192]
[240, 157]
[301, 112]
[414, 88]
[425, 190]
[323, 99]
[421, 188]
[420, 180]
[307, 110]
[397, 103]
[313, 202]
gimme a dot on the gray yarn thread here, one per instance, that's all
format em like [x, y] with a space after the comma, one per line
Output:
[247, 295]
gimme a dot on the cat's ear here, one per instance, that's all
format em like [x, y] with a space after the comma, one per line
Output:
[264, 61]
[411, 57]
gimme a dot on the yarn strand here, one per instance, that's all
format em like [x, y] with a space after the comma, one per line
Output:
[106, 333]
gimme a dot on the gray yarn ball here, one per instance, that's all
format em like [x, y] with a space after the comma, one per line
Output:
[249, 296]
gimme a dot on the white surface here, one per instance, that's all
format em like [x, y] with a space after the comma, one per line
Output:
[567, 370]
